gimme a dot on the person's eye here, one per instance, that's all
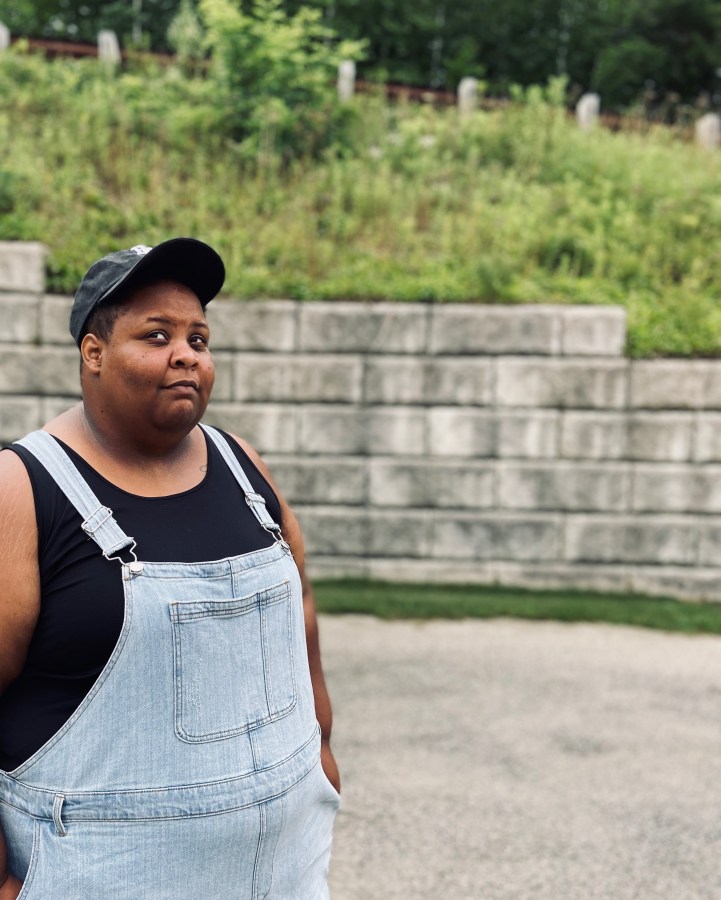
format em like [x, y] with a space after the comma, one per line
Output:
[157, 335]
[199, 341]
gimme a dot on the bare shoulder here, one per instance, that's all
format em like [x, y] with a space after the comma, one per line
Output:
[260, 463]
[18, 526]
[20, 597]
[15, 487]
[289, 522]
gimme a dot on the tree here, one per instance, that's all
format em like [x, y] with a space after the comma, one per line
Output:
[672, 46]
[80, 21]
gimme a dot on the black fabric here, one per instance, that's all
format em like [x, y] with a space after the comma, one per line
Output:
[82, 603]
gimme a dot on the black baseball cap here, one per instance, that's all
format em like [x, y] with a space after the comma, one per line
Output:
[185, 260]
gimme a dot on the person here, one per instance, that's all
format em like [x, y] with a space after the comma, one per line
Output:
[164, 720]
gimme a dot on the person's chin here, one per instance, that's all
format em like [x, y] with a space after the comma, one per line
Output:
[184, 412]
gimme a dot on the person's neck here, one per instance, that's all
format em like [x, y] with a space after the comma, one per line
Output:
[126, 449]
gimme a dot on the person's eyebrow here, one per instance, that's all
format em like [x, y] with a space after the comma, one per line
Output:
[166, 320]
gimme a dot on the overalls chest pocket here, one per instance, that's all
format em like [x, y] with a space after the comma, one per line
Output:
[233, 663]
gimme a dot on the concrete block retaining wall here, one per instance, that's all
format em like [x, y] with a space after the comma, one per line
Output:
[446, 443]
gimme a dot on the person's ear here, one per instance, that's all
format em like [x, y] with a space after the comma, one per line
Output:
[91, 351]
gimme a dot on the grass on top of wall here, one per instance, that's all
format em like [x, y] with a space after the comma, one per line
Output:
[407, 203]
[426, 601]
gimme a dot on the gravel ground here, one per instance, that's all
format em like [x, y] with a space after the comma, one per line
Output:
[504, 759]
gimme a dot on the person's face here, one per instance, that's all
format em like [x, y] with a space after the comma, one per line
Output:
[156, 369]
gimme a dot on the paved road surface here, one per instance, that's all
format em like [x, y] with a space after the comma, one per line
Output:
[500, 760]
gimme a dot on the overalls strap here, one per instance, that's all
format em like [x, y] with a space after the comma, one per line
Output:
[254, 500]
[98, 522]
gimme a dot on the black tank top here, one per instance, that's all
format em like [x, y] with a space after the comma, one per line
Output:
[82, 602]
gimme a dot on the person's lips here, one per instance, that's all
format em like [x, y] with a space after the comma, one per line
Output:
[184, 386]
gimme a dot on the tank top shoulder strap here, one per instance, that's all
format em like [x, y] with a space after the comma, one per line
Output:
[254, 500]
[98, 522]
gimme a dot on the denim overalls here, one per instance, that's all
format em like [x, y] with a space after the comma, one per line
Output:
[191, 769]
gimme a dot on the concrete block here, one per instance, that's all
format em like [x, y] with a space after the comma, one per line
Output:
[254, 325]
[18, 416]
[403, 534]
[707, 443]
[311, 379]
[341, 430]
[709, 546]
[528, 435]
[19, 318]
[680, 583]
[318, 567]
[459, 381]
[566, 576]
[643, 436]
[677, 489]
[421, 484]
[593, 330]
[660, 437]
[30, 370]
[462, 432]
[564, 383]
[430, 571]
[330, 531]
[570, 486]
[495, 329]
[594, 435]
[393, 379]
[22, 266]
[363, 327]
[223, 387]
[396, 430]
[630, 539]
[54, 319]
[676, 384]
[496, 537]
[321, 480]
[270, 428]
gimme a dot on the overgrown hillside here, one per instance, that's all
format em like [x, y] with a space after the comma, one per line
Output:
[311, 200]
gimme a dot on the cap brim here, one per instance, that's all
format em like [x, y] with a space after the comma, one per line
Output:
[185, 260]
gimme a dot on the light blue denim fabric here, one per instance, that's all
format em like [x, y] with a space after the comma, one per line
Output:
[192, 767]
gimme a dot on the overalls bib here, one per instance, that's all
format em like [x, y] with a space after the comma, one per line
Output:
[191, 769]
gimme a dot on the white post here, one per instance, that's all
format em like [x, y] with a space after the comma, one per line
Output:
[588, 109]
[708, 131]
[137, 31]
[467, 95]
[108, 48]
[4, 37]
[346, 81]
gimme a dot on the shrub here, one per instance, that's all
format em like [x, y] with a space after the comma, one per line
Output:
[274, 75]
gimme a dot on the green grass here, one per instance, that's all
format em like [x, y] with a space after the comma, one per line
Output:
[406, 203]
[423, 601]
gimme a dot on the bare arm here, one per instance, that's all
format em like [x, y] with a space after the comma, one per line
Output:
[19, 597]
[294, 536]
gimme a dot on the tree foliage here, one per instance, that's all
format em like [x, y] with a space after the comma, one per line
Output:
[622, 48]
[143, 22]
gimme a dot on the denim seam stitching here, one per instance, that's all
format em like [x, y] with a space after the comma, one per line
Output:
[274, 715]
[33, 864]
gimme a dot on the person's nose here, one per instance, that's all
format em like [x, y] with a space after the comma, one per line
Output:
[183, 355]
